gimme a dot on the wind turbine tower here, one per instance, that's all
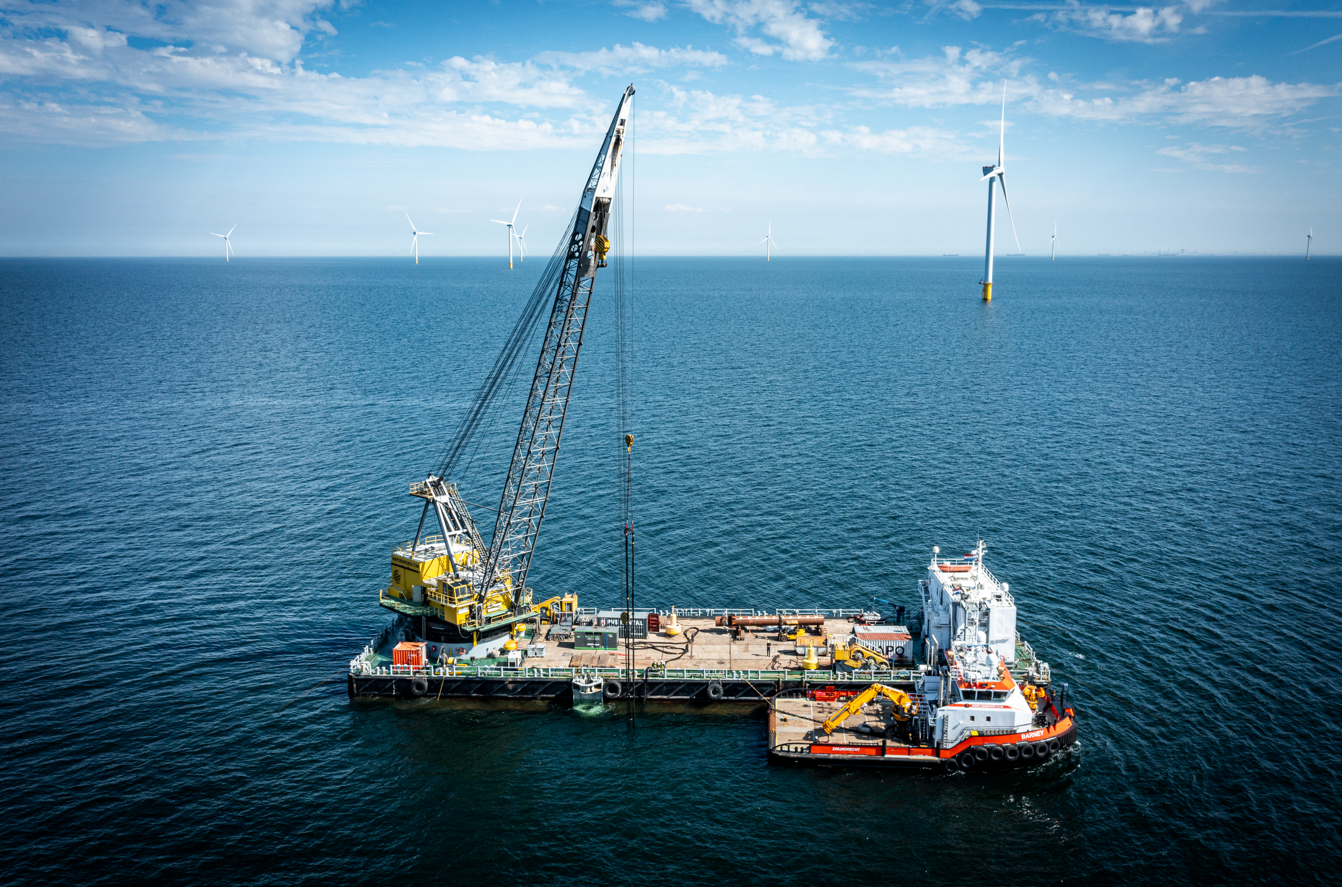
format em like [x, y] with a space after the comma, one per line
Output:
[228, 244]
[1053, 246]
[768, 241]
[995, 175]
[1308, 241]
[512, 232]
[522, 244]
[414, 237]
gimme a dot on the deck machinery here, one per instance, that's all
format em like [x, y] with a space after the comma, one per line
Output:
[462, 594]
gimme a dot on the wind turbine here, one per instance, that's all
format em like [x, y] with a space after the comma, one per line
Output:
[768, 241]
[228, 244]
[512, 232]
[1308, 240]
[1053, 246]
[414, 237]
[522, 244]
[995, 175]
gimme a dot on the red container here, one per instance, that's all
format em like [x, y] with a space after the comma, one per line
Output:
[411, 653]
[654, 622]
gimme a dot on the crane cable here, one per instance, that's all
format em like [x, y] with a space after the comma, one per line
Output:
[623, 310]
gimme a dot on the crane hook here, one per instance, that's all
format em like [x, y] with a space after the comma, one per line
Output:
[628, 442]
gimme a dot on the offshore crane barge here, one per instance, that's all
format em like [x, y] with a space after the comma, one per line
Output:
[959, 691]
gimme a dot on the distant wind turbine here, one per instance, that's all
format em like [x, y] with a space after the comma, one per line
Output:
[512, 232]
[228, 244]
[522, 244]
[1308, 241]
[1053, 246]
[414, 237]
[768, 242]
[995, 175]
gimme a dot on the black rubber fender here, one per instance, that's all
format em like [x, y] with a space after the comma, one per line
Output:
[980, 753]
[714, 691]
[612, 689]
[419, 686]
[966, 760]
[1041, 751]
[1053, 746]
[951, 765]
[1026, 750]
[996, 753]
[1011, 753]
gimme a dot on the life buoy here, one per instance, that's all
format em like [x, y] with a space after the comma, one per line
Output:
[1012, 753]
[1053, 746]
[966, 760]
[611, 689]
[714, 691]
[980, 753]
[996, 753]
[419, 686]
[1026, 751]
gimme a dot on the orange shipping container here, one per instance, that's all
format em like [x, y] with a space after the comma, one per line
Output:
[409, 653]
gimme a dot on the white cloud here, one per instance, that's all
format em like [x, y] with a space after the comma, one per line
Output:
[648, 12]
[1241, 102]
[799, 37]
[965, 9]
[635, 57]
[1201, 157]
[1144, 24]
[682, 208]
[701, 122]
[955, 77]
[975, 77]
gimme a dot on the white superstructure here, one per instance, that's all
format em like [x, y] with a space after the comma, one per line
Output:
[964, 602]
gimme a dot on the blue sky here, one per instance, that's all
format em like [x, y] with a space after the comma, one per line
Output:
[133, 129]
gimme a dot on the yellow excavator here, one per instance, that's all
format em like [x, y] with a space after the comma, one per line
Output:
[905, 707]
[858, 654]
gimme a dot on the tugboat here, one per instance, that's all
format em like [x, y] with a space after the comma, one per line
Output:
[980, 700]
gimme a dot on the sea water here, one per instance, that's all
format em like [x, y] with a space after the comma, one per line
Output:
[205, 468]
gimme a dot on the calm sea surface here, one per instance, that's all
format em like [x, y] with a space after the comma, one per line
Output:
[203, 468]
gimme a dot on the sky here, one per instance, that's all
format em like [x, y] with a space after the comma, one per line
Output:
[315, 126]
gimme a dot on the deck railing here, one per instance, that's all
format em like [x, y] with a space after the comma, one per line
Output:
[361, 668]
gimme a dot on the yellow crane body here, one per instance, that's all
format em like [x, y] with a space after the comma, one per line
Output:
[905, 706]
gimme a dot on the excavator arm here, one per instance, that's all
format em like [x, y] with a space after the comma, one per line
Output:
[905, 707]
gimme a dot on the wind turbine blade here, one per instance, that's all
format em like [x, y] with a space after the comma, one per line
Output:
[765, 240]
[412, 224]
[524, 231]
[231, 230]
[1002, 176]
[497, 222]
[212, 234]
[996, 170]
[1001, 139]
[425, 233]
[519, 209]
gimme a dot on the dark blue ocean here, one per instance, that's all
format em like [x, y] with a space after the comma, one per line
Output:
[204, 467]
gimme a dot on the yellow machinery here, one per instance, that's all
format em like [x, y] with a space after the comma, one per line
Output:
[905, 707]
[555, 608]
[858, 654]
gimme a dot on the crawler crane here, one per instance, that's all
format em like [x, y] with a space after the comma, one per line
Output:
[461, 593]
